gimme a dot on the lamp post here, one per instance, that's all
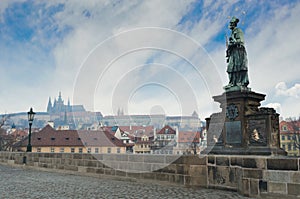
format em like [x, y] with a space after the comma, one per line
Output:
[30, 120]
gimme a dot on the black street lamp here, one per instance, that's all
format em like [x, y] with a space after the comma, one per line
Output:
[30, 120]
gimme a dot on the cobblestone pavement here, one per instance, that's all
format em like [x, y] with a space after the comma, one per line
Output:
[27, 183]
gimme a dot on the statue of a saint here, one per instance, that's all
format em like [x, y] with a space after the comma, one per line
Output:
[236, 57]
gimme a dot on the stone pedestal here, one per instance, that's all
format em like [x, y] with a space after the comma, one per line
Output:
[242, 127]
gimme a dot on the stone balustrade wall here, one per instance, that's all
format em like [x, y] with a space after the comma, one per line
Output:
[255, 176]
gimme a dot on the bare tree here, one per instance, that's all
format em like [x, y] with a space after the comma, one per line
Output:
[295, 127]
[6, 140]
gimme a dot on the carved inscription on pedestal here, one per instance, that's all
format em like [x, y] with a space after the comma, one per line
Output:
[233, 132]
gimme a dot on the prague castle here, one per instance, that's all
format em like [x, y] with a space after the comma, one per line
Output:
[59, 106]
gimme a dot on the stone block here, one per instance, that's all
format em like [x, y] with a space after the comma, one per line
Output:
[282, 164]
[100, 171]
[154, 159]
[135, 158]
[254, 187]
[276, 176]
[71, 168]
[222, 161]
[90, 163]
[277, 187]
[158, 167]
[148, 175]
[109, 157]
[120, 173]
[121, 157]
[137, 166]
[294, 177]
[77, 156]
[187, 180]
[134, 175]
[82, 169]
[198, 171]
[108, 171]
[222, 176]
[98, 157]
[171, 168]
[198, 181]
[249, 163]
[253, 173]
[172, 159]
[236, 161]
[90, 170]
[175, 178]
[162, 176]
[180, 169]
[10, 162]
[79, 162]
[293, 189]
[246, 187]
[194, 160]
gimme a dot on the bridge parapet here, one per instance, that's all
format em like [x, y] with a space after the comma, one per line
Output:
[254, 176]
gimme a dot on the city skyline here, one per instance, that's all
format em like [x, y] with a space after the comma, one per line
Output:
[114, 54]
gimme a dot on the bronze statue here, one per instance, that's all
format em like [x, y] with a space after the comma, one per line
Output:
[236, 57]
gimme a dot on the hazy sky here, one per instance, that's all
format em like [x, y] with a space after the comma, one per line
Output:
[144, 56]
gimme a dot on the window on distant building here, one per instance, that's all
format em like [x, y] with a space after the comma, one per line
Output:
[289, 147]
[284, 128]
[96, 150]
[108, 150]
[38, 149]
[118, 150]
[52, 139]
[142, 145]
[282, 137]
[39, 138]
[283, 146]
[67, 138]
[62, 150]
[52, 149]
[72, 150]
[80, 150]
[289, 137]
[89, 150]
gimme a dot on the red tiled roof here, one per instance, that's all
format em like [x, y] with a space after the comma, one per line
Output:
[291, 127]
[166, 130]
[188, 137]
[51, 137]
[137, 129]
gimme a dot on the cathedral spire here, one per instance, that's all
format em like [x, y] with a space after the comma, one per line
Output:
[49, 107]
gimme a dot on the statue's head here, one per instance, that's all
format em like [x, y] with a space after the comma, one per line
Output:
[233, 22]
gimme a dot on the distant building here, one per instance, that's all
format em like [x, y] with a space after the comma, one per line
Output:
[188, 142]
[49, 140]
[158, 121]
[59, 107]
[290, 137]
[165, 140]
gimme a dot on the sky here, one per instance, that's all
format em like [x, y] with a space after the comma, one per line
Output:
[144, 57]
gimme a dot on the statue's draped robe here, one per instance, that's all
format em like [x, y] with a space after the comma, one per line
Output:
[237, 59]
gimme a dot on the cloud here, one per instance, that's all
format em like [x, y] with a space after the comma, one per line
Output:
[276, 106]
[283, 90]
[65, 33]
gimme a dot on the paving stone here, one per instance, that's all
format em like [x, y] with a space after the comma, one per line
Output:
[17, 183]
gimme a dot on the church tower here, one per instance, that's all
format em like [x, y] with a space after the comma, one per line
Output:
[49, 107]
